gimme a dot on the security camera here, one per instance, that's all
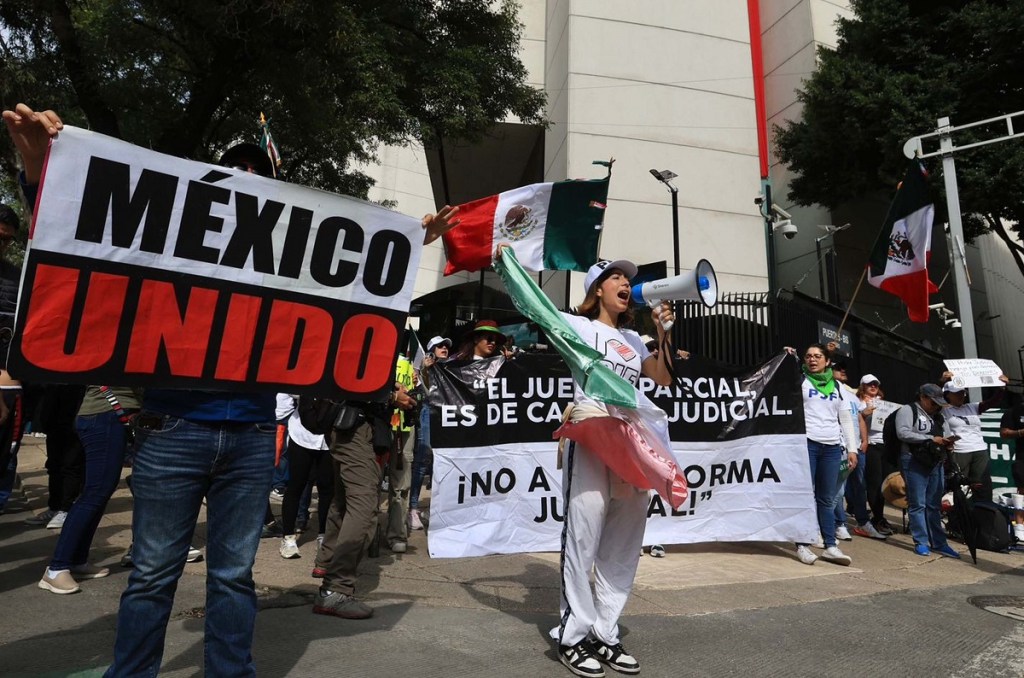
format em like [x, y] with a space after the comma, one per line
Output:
[956, 325]
[781, 212]
[787, 228]
[936, 307]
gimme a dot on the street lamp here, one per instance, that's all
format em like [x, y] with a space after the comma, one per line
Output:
[666, 177]
[830, 231]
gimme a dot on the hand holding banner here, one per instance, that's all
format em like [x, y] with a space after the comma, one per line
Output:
[146, 269]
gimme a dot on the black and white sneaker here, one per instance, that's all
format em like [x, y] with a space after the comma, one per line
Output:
[579, 659]
[616, 657]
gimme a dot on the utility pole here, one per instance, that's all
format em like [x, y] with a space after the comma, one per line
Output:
[914, 148]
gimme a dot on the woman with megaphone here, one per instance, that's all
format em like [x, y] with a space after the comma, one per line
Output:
[605, 517]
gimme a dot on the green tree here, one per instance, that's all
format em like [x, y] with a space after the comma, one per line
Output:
[338, 78]
[899, 66]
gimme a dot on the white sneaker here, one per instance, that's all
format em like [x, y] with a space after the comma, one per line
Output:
[289, 549]
[413, 520]
[868, 530]
[194, 555]
[276, 496]
[833, 555]
[843, 533]
[57, 521]
[820, 544]
[1018, 531]
[806, 555]
[319, 540]
[41, 518]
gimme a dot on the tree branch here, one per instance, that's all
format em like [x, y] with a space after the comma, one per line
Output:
[1016, 250]
[101, 118]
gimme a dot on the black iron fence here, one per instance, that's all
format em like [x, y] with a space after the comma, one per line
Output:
[744, 328]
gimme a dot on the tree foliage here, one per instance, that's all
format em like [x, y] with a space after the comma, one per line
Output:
[899, 66]
[337, 78]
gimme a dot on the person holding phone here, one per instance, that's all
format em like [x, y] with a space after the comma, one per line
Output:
[963, 426]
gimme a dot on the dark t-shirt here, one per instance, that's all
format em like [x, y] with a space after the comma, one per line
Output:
[1013, 418]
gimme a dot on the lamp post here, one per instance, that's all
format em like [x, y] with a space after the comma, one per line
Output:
[666, 177]
[833, 295]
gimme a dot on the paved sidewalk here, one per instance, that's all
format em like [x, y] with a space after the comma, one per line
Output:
[456, 617]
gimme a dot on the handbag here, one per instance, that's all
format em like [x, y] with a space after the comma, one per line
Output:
[322, 416]
[928, 454]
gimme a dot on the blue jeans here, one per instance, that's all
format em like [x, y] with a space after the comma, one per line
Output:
[924, 498]
[857, 490]
[102, 438]
[825, 460]
[179, 462]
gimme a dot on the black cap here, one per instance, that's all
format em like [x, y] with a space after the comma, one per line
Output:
[246, 156]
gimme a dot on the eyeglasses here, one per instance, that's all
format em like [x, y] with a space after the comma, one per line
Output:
[814, 356]
[872, 384]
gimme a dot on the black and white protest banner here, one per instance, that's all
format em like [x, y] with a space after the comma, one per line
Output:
[145, 269]
[738, 435]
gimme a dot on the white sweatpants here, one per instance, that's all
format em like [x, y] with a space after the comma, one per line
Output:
[602, 533]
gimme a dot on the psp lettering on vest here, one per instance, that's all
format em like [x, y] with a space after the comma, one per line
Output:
[339, 248]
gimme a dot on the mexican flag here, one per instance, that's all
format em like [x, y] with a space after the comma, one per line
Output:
[632, 439]
[898, 262]
[554, 226]
[268, 145]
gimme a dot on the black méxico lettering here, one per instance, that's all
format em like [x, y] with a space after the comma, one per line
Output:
[254, 232]
[384, 275]
[108, 189]
[324, 260]
[196, 220]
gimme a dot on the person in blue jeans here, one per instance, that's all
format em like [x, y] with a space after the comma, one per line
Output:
[829, 429]
[919, 425]
[101, 430]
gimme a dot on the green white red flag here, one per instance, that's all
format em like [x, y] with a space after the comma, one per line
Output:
[554, 226]
[898, 262]
[268, 145]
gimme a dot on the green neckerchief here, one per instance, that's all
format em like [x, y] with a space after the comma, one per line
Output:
[823, 382]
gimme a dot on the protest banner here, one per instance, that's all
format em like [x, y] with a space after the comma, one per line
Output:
[144, 269]
[738, 435]
[974, 372]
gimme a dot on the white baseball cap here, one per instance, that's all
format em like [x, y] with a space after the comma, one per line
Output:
[438, 341]
[598, 269]
[950, 387]
[870, 378]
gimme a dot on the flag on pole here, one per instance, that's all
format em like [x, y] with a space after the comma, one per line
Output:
[634, 437]
[554, 226]
[267, 144]
[898, 262]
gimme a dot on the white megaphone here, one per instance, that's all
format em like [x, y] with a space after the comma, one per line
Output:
[699, 284]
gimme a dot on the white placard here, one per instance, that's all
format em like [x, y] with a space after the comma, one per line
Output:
[883, 408]
[974, 372]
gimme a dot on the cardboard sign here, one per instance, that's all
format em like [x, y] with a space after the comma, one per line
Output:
[974, 372]
[144, 269]
[883, 408]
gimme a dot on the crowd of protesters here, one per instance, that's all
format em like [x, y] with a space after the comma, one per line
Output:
[190, 448]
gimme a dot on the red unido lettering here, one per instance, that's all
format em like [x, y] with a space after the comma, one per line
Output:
[59, 336]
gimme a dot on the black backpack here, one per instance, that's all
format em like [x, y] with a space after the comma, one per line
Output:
[993, 529]
[891, 443]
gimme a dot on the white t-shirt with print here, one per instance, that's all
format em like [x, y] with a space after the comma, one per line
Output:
[964, 421]
[821, 413]
[624, 351]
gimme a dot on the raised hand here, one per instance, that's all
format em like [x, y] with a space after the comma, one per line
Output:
[436, 225]
[31, 132]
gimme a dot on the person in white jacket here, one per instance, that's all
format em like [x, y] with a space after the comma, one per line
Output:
[829, 427]
[605, 517]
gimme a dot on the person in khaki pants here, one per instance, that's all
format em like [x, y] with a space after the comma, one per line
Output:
[353, 515]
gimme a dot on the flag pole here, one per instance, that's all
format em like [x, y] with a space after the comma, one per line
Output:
[849, 306]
